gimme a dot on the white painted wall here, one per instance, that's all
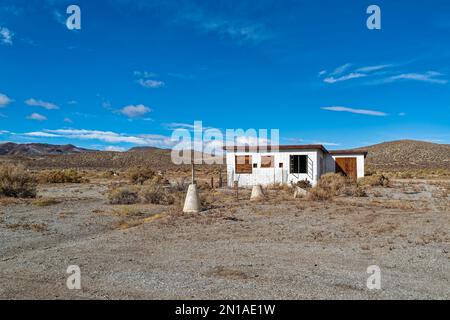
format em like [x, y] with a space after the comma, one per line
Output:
[268, 176]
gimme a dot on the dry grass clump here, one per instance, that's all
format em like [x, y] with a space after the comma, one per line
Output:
[123, 195]
[139, 175]
[329, 186]
[45, 202]
[332, 184]
[156, 194]
[61, 176]
[304, 184]
[16, 182]
[374, 180]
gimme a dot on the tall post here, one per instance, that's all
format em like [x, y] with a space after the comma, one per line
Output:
[193, 173]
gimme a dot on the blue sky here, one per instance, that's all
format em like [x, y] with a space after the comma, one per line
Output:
[138, 69]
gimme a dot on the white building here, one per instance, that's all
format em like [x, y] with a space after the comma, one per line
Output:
[250, 166]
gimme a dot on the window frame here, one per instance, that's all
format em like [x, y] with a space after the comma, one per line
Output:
[299, 166]
[271, 164]
[243, 168]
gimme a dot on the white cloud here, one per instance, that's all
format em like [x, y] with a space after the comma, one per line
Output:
[149, 83]
[241, 31]
[105, 136]
[135, 111]
[330, 144]
[402, 114]
[36, 116]
[373, 68]
[341, 69]
[67, 120]
[6, 36]
[114, 148]
[357, 111]
[430, 76]
[344, 78]
[39, 103]
[4, 132]
[144, 74]
[4, 100]
[40, 134]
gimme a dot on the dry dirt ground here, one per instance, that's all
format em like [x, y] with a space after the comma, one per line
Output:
[280, 248]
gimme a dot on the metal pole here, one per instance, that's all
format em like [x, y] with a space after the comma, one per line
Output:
[193, 173]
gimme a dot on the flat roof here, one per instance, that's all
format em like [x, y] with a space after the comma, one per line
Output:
[269, 148]
[348, 152]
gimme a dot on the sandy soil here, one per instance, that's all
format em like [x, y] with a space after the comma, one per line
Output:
[277, 249]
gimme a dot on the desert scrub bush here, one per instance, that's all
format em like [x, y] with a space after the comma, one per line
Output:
[304, 184]
[61, 176]
[329, 186]
[138, 175]
[123, 195]
[156, 194]
[45, 202]
[16, 182]
[375, 180]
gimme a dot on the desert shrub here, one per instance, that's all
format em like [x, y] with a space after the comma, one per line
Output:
[329, 186]
[374, 181]
[123, 195]
[304, 184]
[354, 190]
[16, 182]
[156, 194]
[138, 175]
[179, 185]
[45, 202]
[61, 176]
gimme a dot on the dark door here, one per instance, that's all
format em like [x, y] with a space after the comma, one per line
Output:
[346, 166]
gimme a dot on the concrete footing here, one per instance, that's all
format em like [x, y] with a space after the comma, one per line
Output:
[192, 201]
[257, 193]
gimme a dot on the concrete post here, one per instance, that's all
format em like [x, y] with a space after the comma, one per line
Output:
[192, 201]
[257, 193]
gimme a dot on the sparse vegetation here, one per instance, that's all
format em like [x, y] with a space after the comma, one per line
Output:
[16, 182]
[329, 186]
[374, 180]
[45, 202]
[123, 195]
[139, 175]
[155, 194]
[304, 184]
[61, 176]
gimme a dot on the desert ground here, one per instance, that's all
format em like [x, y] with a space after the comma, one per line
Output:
[277, 248]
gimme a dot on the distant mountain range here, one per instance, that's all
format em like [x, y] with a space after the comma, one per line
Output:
[38, 149]
[402, 154]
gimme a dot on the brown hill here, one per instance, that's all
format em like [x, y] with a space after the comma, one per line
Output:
[34, 149]
[408, 154]
[395, 155]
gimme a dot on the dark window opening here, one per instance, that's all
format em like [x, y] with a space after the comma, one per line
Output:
[255, 165]
[280, 164]
[299, 164]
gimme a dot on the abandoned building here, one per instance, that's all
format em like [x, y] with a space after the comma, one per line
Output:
[287, 164]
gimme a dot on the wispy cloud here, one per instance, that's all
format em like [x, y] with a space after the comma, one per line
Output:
[104, 136]
[149, 83]
[43, 104]
[357, 111]
[137, 111]
[430, 76]
[37, 117]
[115, 148]
[240, 31]
[4, 100]
[341, 69]
[330, 144]
[374, 68]
[344, 78]
[6, 36]
[145, 81]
